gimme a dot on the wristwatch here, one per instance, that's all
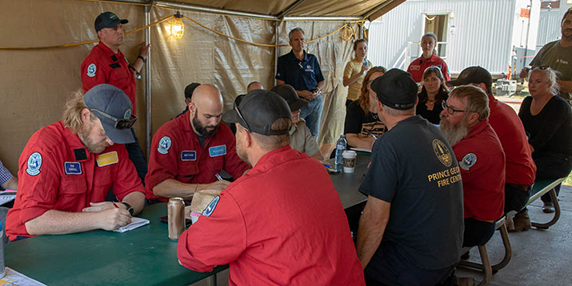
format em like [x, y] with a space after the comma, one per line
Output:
[128, 207]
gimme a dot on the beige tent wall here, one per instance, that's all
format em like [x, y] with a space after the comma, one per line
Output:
[34, 84]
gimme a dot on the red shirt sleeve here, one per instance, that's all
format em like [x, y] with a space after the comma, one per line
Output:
[207, 242]
[445, 71]
[127, 180]
[163, 162]
[93, 71]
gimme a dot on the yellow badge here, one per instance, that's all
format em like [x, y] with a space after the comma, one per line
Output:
[107, 159]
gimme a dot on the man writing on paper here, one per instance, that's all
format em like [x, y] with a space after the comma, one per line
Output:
[67, 169]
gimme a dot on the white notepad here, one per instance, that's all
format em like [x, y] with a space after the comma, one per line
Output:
[135, 223]
[7, 196]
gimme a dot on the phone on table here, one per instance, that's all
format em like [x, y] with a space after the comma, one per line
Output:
[165, 219]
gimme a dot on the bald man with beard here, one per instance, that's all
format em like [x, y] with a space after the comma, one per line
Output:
[189, 151]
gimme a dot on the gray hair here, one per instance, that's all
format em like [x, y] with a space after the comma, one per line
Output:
[297, 29]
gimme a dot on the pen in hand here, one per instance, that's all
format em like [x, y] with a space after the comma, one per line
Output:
[374, 138]
[218, 177]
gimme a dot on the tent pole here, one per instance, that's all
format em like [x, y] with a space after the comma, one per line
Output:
[276, 49]
[148, 81]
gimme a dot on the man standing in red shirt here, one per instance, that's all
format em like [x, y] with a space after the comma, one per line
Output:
[481, 160]
[189, 151]
[282, 223]
[107, 64]
[67, 169]
[520, 168]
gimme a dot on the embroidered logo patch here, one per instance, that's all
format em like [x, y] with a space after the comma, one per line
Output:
[72, 168]
[107, 159]
[415, 67]
[217, 151]
[189, 155]
[34, 164]
[468, 161]
[164, 145]
[442, 152]
[91, 69]
[127, 114]
[211, 207]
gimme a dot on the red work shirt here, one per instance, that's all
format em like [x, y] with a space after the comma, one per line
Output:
[176, 153]
[520, 168]
[282, 223]
[418, 66]
[482, 163]
[57, 172]
[105, 66]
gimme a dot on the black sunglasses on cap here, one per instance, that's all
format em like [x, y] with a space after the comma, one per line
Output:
[119, 123]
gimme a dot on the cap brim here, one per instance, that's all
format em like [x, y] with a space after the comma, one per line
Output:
[123, 136]
[124, 21]
[298, 104]
[456, 82]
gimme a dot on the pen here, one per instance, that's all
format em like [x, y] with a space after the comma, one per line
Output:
[375, 138]
[115, 205]
[218, 177]
[327, 166]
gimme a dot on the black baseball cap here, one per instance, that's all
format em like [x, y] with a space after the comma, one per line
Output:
[258, 111]
[396, 89]
[108, 20]
[113, 108]
[287, 92]
[190, 89]
[472, 75]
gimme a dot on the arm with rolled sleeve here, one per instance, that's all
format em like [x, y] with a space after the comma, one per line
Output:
[207, 242]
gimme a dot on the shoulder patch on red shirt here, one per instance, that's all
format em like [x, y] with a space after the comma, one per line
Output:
[211, 207]
[468, 161]
[34, 164]
[164, 145]
[91, 69]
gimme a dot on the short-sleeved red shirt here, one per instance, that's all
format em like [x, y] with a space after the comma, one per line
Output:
[176, 153]
[104, 66]
[482, 163]
[418, 66]
[57, 172]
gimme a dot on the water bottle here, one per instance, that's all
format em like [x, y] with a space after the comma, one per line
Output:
[365, 63]
[340, 148]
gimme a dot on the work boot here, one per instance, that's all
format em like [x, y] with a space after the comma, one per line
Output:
[522, 221]
[548, 207]
[509, 223]
[466, 281]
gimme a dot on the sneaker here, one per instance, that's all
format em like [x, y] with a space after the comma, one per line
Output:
[522, 221]
[548, 207]
[466, 281]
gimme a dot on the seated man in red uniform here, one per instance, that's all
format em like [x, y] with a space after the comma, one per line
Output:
[481, 160]
[189, 151]
[282, 223]
[520, 168]
[67, 169]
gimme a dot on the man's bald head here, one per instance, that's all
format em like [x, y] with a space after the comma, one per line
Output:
[206, 110]
[254, 86]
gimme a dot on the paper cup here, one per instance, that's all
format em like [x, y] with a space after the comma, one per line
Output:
[349, 161]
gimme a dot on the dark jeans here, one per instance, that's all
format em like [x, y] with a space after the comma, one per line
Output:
[515, 198]
[551, 166]
[389, 269]
[136, 156]
[477, 232]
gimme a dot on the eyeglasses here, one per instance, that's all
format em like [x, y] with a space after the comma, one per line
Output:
[450, 109]
[242, 117]
[119, 123]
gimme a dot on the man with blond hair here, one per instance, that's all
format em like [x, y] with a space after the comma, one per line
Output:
[67, 169]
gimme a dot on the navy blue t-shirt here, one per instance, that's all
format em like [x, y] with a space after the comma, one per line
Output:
[302, 75]
[414, 168]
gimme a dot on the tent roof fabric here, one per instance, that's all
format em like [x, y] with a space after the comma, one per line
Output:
[298, 8]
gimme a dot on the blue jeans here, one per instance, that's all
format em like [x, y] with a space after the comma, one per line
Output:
[312, 113]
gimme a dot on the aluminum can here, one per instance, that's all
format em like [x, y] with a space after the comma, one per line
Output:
[176, 214]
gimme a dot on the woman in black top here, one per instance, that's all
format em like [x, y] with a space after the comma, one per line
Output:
[432, 95]
[362, 125]
[547, 120]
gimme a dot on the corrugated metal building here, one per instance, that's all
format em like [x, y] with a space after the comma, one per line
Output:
[471, 32]
[550, 18]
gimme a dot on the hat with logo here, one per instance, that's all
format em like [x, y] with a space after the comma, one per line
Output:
[472, 75]
[258, 111]
[108, 20]
[396, 89]
[113, 108]
[287, 92]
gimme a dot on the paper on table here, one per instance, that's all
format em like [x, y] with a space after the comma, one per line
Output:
[135, 223]
[7, 196]
[14, 277]
[361, 149]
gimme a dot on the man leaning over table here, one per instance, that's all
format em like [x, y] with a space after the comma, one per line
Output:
[413, 176]
[282, 223]
[68, 167]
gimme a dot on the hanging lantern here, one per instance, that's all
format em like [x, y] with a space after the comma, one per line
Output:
[177, 26]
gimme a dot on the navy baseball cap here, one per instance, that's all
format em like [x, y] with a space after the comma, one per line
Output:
[258, 111]
[108, 20]
[396, 89]
[112, 106]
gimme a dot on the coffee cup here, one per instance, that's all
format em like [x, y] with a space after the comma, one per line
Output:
[349, 161]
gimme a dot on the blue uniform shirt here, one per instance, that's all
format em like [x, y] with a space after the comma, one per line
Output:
[302, 75]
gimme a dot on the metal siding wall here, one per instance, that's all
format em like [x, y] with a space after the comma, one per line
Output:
[482, 37]
[549, 27]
